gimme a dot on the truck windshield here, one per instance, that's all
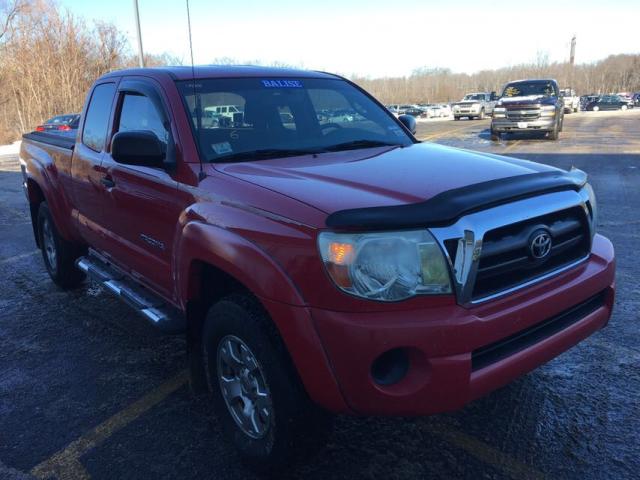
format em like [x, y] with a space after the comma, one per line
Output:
[259, 118]
[524, 89]
[474, 96]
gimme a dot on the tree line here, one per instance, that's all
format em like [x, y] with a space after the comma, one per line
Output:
[49, 58]
[614, 74]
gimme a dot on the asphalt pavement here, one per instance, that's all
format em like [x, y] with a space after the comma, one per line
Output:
[88, 390]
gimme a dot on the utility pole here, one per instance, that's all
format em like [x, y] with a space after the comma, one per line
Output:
[572, 59]
[572, 55]
[137, 18]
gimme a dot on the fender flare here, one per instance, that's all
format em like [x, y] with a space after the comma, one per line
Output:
[234, 255]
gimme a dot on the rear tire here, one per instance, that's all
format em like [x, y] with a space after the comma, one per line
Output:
[596, 108]
[59, 255]
[263, 408]
[623, 107]
[456, 118]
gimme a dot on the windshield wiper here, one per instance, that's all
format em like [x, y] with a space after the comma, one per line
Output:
[264, 154]
[355, 144]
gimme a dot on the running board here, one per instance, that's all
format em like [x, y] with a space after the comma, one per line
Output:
[161, 315]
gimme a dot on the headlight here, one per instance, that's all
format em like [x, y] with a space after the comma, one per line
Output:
[593, 205]
[385, 266]
[499, 109]
[547, 111]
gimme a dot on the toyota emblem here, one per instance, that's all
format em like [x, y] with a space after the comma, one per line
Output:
[540, 245]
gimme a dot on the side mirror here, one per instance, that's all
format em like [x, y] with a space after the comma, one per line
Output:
[409, 122]
[138, 147]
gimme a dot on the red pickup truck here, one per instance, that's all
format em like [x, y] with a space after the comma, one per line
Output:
[316, 255]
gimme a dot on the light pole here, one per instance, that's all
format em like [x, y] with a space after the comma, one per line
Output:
[137, 18]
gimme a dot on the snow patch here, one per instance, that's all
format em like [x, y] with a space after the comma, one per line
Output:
[11, 149]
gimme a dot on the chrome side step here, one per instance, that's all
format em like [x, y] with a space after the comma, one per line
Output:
[161, 315]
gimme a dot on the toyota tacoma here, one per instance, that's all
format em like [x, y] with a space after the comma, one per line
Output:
[316, 265]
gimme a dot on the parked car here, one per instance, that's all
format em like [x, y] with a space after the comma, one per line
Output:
[351, 269]
[570, 99]
[529, 106]
[586, 99]
[608, 102]
[445, 110]
[474, 105]
[431, 110]
[414, 111]
[67, 123]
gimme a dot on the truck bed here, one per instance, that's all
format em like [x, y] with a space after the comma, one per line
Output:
[51, 139]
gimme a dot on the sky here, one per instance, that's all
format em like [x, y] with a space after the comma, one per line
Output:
[377, 38]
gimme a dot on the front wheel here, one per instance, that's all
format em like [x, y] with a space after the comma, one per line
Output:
[481, 116]
[623, 107]
[495, 136]
[260, 402]
[555, 133]
[456, 117]
[596, 108]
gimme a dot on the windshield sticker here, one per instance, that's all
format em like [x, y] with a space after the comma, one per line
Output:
[221, 148]
[281, 83]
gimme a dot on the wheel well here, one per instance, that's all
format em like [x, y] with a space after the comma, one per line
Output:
[207, 285]
[36, 197]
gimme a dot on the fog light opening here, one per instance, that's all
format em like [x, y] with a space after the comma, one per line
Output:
[390, 367]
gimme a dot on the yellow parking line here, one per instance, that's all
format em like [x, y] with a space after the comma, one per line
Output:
[65, 464]
[445, 133]
[512, 146]
[487, 454]
[15, 258]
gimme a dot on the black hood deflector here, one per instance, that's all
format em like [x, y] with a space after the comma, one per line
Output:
[446, 207]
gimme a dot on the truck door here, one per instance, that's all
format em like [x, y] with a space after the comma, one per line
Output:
[142, 204]
[85, 164]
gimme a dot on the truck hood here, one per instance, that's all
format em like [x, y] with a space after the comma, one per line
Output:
[376, 176]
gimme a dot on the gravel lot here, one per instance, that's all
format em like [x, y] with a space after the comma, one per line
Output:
[87, 390]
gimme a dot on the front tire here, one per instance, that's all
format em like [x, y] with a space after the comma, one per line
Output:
[623, 107]
[596, 108]
[259, 400]
[59, 255]
[481, 116]
[495, 136]
[555, 133]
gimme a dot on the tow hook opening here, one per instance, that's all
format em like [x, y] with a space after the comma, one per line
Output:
[390, 367]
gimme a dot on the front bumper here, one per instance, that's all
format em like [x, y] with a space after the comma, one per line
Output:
[440, 341]
[466, 112]
[507, 125]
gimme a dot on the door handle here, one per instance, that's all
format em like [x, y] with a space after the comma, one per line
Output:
[108, 182]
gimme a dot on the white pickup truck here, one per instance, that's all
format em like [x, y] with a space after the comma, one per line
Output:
[570, 99]
[474, 105]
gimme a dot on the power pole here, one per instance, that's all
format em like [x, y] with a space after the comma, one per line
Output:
[572, 59]
[572, 55]
[137, 19]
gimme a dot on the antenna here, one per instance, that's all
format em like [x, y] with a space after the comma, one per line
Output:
[196, 98]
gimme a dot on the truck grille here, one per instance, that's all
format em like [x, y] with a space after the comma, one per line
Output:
[507, 258]
[522, 115]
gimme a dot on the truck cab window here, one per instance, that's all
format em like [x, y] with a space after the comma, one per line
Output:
[97, 117]
[139, 113]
